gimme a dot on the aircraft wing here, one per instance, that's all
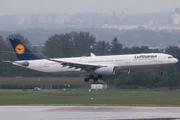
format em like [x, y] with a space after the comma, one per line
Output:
[83, 66]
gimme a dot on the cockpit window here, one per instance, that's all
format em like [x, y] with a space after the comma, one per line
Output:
[170, 57]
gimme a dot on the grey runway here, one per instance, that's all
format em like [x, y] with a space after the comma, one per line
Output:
[85, 112]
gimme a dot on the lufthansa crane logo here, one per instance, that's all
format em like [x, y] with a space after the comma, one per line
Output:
[20, 49]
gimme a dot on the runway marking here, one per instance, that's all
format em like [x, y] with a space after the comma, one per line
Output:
[144, 108]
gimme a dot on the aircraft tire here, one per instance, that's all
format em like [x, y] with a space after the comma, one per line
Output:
[100, 76]
[95, 79]
[86, 79]
[91, 77]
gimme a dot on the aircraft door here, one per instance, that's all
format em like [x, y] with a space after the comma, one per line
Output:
[128, 60]
[41, 65]
[160, 58]
[155, 60]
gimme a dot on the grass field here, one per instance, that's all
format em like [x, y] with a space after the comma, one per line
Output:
[84, 97]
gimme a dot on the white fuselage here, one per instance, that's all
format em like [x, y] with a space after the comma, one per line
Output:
[120, 62]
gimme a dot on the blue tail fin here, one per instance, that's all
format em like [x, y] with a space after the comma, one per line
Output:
[22, 52]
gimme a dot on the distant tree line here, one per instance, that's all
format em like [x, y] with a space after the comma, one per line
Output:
[75, 44]
[134, 37]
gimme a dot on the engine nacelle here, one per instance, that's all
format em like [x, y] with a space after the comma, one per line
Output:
[25, 63]
[105, 71]
[125, 71]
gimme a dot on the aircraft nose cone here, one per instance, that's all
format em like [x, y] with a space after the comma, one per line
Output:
[176, 60]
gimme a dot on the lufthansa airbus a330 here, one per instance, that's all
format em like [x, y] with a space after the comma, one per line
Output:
[95, 66]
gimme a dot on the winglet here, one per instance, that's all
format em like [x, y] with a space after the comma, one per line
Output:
[92, 55]
[22, 52]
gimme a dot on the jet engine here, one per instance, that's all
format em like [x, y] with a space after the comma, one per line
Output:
[25, 63]
[105, 71]
[125, 71]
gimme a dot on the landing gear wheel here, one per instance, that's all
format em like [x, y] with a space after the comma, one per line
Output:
[100, 76]
[95, 79]
[160, 71]
[86, 79]
[91, 77]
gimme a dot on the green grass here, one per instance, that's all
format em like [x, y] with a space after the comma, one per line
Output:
[109, 98]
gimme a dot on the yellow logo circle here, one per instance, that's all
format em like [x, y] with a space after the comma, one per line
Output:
[20, 49]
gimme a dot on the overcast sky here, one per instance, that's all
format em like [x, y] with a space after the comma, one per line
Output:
[75, 6]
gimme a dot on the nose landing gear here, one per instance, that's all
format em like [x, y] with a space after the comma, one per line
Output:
[160, 71]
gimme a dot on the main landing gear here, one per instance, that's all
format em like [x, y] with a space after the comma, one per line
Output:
[86, 79]
[160, 71]
[92, 77]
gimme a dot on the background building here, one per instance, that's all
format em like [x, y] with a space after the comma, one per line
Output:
[176, 16]
[44, 19]
[151, 25]
[99, 85]
[25, 19]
